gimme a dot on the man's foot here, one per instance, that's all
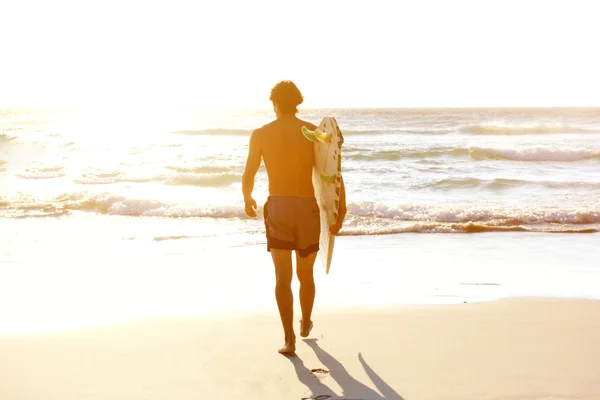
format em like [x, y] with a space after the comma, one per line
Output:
[288, 348]
[305, 328]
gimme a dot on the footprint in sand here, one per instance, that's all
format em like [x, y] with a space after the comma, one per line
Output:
[319, 371]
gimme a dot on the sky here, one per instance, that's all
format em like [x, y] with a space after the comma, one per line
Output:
[373, 53]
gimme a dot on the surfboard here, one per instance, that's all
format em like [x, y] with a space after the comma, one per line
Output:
[327, 180]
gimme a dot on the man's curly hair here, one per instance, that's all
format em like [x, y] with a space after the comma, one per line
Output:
[287, 97]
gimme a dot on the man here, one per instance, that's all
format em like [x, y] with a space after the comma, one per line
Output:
[291, 212]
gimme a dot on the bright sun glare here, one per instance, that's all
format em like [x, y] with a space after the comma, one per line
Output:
[229, 53]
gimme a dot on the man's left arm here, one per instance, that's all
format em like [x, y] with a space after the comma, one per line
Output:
[252, 165]
[342, 210]
[335, 228]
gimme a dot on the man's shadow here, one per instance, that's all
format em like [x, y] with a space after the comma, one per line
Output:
[352, 389]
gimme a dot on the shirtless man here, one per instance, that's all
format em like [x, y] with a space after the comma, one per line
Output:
[291, 212]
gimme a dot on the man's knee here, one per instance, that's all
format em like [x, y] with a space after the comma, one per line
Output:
[305, 275]
[283, 280]
[283, 273]
[283, 276]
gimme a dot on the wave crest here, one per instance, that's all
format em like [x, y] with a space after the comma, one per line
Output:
[501, 183]
[42, 173]
[4, 138]
[539, 153]
[500, 129]
[529, 153]
[181, 179]
[111, 204]
[399, 154]
[456, 214]
[467, 227]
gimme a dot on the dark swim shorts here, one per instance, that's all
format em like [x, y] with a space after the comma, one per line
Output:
[292, 223]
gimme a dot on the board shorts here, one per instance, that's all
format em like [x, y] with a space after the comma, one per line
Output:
[292, 223]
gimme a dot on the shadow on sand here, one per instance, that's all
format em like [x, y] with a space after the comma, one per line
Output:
[351, 388]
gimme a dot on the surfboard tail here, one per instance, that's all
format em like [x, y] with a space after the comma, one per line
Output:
[327, 261]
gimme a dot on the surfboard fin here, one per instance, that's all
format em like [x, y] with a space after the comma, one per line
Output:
[316, 135]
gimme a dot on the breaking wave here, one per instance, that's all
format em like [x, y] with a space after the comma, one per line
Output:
[177, 237]
[399, 154]
[4, 138]
[491, 130]
[467, 227]
[539, 153]
[42, 173]
[527, 153]
[522, 129]
[364, 218]
[499, 217]
[181, 179]
[112, 204]
[501, 183]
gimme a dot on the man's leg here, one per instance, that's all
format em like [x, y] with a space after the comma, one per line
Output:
[282, 259]
[304, 270]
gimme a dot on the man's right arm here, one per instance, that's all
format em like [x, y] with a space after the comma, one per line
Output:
[252, 166]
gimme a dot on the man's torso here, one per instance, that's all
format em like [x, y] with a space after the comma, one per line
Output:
[288, 157]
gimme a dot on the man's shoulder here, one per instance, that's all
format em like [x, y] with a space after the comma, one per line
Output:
[265, 128]
[260, 131]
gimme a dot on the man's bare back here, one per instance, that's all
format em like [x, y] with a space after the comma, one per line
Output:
[287, 154]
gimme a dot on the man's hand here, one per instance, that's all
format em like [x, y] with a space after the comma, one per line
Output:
[335, 228]
[250, 206]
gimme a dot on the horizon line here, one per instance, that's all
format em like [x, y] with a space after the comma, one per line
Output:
[300, 108]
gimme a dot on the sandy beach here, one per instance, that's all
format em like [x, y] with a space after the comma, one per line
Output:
[510, 349]
[393, 320]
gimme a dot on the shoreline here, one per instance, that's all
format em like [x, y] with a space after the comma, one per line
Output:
[61, 286]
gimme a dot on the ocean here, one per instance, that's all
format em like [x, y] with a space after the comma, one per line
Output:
[406, 170]
[80, 186]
